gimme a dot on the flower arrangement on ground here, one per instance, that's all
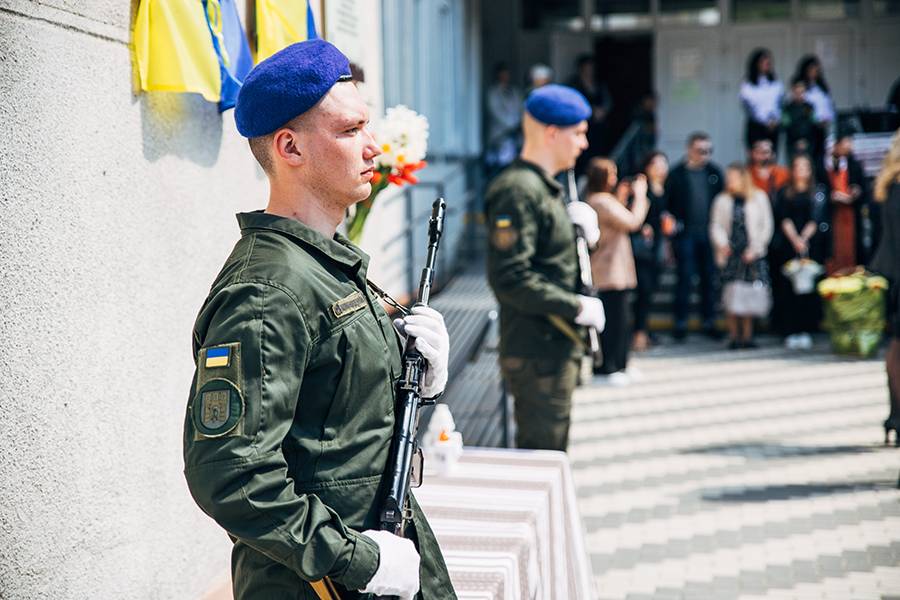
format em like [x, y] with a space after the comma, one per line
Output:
[403, 137]
[854, 311]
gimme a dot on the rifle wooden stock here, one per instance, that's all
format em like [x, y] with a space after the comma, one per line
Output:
[325, 589]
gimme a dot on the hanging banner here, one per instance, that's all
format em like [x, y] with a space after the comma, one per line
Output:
[231, 47]
[173, 49]
[280, 23]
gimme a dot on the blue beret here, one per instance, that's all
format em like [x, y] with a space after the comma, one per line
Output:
[558, 105]
[287, 84]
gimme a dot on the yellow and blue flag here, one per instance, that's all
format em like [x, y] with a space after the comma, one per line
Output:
[231, 47]
[219, 356]
[280, 23]
[173, 49]
[194, 46]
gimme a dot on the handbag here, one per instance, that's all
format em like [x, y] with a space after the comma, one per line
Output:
[747, 298]
[749, 295]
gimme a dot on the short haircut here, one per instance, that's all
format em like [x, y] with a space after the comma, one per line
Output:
[261, 145]
[697, 136]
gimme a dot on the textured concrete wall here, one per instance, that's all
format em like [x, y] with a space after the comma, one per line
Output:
[116, 212]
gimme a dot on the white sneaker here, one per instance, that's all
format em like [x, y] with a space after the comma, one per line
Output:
[634, 374]
[792, 342]
[805, 342]
[617, 379]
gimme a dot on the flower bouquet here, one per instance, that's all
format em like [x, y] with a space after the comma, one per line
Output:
[854, 311]
[403, 137]
[802, 273]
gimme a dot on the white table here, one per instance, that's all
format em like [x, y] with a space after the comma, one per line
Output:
[508, 525]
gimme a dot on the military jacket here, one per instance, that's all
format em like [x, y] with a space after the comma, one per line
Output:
[532, 262]
[291, 414]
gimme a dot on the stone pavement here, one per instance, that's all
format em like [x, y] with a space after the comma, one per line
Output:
[739, 475]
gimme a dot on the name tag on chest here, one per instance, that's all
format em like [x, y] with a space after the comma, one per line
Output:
[352, 303]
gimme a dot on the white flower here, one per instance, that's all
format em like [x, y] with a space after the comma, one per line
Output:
[402, 135]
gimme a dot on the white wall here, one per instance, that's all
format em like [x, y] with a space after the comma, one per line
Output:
[116, 213]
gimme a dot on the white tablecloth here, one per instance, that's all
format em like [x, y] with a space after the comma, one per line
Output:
[508, 525]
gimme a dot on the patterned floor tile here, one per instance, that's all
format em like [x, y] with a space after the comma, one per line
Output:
[739, 476]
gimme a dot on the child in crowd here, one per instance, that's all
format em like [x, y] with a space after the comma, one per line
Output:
[798, 121]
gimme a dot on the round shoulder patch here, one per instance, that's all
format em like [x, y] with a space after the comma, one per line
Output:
[217, 408]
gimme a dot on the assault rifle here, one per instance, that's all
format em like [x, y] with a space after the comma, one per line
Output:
[405, 462]
[587, 284]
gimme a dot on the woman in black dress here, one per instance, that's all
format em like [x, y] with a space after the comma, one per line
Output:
[647, 247]
[887, 263]
[801, 231]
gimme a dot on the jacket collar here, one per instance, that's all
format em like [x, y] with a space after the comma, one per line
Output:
[552, 185]
[338, 249]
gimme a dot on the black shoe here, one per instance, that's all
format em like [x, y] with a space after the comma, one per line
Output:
[679, 335]
[750, 344]
[712, 333]
[734, 345]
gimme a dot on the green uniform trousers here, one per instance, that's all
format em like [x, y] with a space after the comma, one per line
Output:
[542, 388]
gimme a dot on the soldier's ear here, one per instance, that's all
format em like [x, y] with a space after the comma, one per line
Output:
[551, 133]
[287, 145]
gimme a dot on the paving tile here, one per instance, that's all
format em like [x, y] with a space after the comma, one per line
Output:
[769, 482]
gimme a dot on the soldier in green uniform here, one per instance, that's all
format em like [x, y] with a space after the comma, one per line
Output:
[533, 267]
[291, 410]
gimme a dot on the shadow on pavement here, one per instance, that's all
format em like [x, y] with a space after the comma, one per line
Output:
[793, 491]
[763, 450]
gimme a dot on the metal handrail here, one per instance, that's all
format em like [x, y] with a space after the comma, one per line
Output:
[624, 142]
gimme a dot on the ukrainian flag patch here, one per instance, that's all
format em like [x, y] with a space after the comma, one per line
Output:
[503, 221]
[218, 356]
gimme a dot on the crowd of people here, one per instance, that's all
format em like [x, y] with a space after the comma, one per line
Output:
[756, 237]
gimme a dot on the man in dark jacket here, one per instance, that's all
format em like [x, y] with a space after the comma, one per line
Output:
[690, 190]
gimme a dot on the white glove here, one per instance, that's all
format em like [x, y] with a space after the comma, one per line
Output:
[585, 217]
[591, 313]
[398, 566]
[427, 326]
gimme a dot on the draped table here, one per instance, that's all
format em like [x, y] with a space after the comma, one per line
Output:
[508, 525]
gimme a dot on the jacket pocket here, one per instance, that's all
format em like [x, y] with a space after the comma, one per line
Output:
[354, 500]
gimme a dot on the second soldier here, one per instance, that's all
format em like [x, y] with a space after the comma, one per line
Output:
[533, 268]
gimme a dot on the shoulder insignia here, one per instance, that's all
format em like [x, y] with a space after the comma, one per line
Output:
[218, 356]
[503, 235]
[217, 409]
[352, 303]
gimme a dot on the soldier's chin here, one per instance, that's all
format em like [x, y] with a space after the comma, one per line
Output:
[362, 192]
